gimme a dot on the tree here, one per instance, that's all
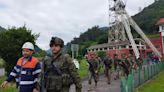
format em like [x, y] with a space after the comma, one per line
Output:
[92, 36]
[101, 54]
[149, 16]
[11, 42]
[39, 52]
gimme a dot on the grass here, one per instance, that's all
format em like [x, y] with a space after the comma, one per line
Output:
[155, 85]
[83, 68]
[11, 87]
[83, 71]
[153, 35]
[2, 79]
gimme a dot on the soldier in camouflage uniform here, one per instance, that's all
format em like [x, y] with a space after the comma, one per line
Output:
[108, 68]
[131, 62]
[125, 65]
[93, 70]
[59, 69]
[116, 61]
[100, 66]
[139, 62]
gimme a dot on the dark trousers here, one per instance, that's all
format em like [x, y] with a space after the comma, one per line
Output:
[26, 88]
[64, 89]
[94, 76]
[108, 74]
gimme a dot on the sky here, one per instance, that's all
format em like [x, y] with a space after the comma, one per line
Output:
[62, 18]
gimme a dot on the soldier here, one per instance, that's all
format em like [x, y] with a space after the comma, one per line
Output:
[100, 66]
[139, 62]
[124, 64]
[130, 62]
[116, 61]
[133, 62]
[93, 70]
[59, 69]
[108, 65]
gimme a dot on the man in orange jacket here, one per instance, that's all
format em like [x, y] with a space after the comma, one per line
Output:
[26, 71]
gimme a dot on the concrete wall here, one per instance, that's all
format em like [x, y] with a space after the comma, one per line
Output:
[2, 71]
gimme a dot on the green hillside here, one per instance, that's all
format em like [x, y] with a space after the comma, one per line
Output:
[2, 29]
[146, 19]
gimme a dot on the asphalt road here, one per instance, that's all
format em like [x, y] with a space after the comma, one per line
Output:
[101, 87]
[104, 87]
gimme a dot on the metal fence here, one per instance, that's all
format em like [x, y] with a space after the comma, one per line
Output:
[134, 80]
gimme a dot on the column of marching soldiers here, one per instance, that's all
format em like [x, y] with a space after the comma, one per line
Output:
[57, 72]
[122, 67]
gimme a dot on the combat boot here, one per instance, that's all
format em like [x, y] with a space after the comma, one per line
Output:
[89, 87]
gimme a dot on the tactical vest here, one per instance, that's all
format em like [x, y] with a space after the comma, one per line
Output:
[57, 74]
[108, 62]
[93, 64]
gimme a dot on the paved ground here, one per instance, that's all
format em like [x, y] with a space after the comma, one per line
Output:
[102, 86]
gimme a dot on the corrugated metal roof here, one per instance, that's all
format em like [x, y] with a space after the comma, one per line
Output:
[119, 43]
[109, 44]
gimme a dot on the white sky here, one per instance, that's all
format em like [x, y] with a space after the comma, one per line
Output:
[62, 18]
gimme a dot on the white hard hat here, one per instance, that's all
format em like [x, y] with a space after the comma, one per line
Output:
[28, 45]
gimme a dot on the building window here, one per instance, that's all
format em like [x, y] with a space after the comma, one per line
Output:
[110, 47]
[105, 48]
[130, 46]
[123, 46]
[162, 27]
[138, 46]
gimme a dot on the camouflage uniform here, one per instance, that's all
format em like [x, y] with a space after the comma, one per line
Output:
[100, 66]
[139, 62]
[124, 65]
[116, 61]
[130, 63]
[116, 67]
[108, 65]
[93, 70]
[60, 72]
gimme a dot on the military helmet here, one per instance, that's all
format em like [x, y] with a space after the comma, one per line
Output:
[56, 41]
